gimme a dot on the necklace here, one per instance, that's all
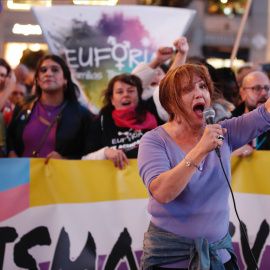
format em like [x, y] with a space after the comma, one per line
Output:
[49, 109]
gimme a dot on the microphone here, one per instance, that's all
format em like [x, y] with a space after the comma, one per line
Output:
[209, 116]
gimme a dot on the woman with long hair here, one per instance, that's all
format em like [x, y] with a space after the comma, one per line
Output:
[51, 123]
[122, 121]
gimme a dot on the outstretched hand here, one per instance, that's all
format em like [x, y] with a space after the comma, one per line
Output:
[118, 158]
[164, 54]
[267, 105]
[10, 79]
[182, 48]
[12, 154]
[243, 151]
[53, 155]
[181, 45]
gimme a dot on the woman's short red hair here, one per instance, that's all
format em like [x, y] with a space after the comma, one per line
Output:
[176, 82]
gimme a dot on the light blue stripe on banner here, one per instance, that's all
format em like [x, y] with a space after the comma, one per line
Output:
[14, 172]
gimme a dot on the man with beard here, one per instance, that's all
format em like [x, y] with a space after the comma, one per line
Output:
[255, 90]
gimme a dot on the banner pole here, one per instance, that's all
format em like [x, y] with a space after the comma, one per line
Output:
[268, 36]
[240, 32]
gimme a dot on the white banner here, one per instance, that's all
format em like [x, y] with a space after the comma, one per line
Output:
[88, 215]
[77, 236]
[100, 42]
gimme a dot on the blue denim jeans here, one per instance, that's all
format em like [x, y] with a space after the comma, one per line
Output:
[161, 246]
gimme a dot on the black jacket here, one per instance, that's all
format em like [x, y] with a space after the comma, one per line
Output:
[72, 131]
[106, 133]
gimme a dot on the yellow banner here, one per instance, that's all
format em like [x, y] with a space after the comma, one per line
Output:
[78, 201]
[251, 174]
[61, 181]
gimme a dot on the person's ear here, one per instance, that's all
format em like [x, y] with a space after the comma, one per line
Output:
[112, 100]
[242, 93]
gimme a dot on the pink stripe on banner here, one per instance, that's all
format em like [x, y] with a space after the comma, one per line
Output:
[14, 201]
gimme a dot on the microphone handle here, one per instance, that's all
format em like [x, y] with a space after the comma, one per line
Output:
[217, 149]
[210, 121]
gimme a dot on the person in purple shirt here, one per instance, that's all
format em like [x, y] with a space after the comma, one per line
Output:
[188, 191]
[55, 97]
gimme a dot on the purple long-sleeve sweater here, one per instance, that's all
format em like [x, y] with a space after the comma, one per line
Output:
[202, 209]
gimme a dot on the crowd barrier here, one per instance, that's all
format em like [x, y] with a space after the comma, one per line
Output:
[78, 215]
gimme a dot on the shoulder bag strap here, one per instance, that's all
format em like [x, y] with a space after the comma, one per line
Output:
[35, 153]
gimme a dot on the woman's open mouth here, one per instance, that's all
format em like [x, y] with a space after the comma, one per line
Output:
[126, 103]
[198, 109]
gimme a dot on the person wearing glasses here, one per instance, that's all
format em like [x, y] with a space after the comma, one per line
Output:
[254, 91]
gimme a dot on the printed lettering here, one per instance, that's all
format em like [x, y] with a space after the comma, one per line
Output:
[85, 261]
[118, 140]
[7, 235]
[117, 58]
[111, 73]
[70, 59]
[88, 62]
[231, 229]
[120, 255]
[99, 57]
[133, 53]
[121, 249]
[129, 146]
[258, 244]
[38, 236]
[88, 75]
[91, 57]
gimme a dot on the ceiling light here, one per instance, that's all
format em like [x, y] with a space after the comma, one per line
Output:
[11, 4]
[100, 2]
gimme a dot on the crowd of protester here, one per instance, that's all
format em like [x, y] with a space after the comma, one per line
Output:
[49, 116]
[153, 114]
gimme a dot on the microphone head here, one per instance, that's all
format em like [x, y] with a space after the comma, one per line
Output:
[208, 112]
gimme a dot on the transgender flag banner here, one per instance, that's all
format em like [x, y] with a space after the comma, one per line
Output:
[101, 42]
[73, 215]
[88, 215]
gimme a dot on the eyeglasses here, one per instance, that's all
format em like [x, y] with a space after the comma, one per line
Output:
[257, 89]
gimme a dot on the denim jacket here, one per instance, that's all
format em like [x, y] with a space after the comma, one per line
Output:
[161, 246]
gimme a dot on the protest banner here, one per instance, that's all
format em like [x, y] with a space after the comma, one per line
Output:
[90, 215]
[71, 215]
[100, 42]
